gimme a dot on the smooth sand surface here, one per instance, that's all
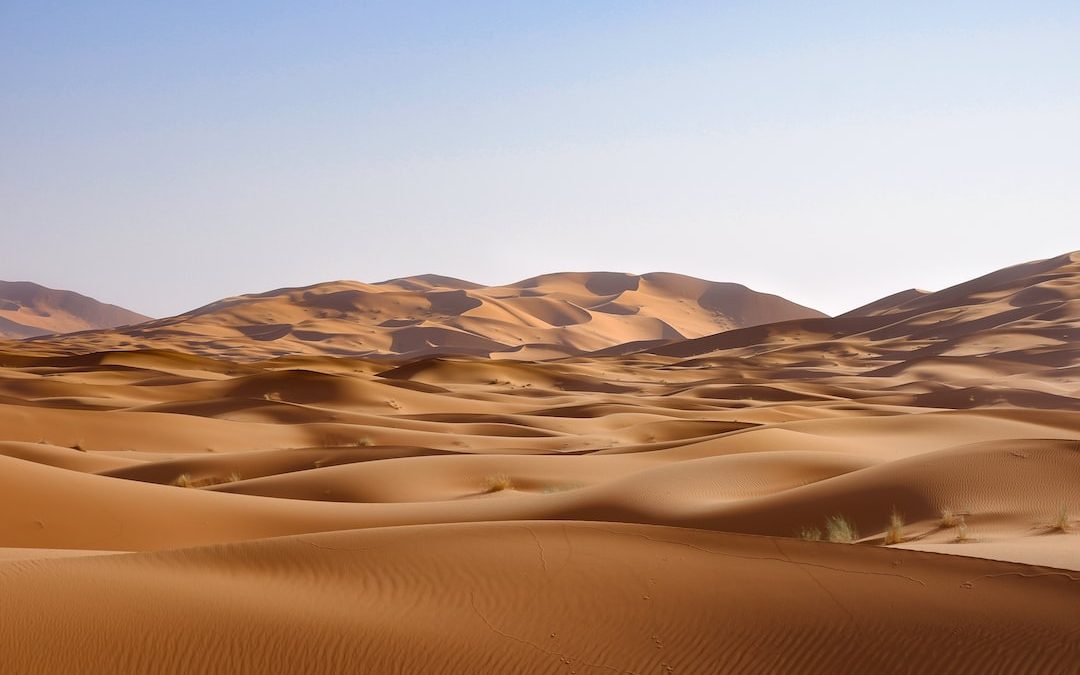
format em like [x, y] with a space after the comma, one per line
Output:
[644, 509]
[28, 309]
[536, 597]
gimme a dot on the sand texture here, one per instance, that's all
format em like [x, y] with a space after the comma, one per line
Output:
[548, 316]
[27, 310]
[644, 494]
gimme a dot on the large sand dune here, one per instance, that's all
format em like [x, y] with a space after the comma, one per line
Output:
[547, 316]
[27, 309]
[639, 509]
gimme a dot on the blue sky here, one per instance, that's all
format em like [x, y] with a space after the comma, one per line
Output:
[162, 155]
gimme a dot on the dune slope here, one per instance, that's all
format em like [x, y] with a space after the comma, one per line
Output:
[548, 316]
[536, 598]
[893, 490]
[28, 310]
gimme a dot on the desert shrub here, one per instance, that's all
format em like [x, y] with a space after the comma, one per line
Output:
[840, 530]
[1061, 520]
[894, 533]
[810, 534]
[187, 481]
[950, 518]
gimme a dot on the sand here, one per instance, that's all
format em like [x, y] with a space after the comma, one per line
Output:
[28, 309]
[550, 316]
[638, 508]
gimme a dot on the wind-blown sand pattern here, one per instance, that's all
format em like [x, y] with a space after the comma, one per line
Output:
[641, 508]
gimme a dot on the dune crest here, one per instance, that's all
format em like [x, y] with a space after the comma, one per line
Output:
[28, 310]
[785, 497]
[543, 317]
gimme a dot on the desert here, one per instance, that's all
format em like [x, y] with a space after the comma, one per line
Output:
[702, 479]
[474, 337]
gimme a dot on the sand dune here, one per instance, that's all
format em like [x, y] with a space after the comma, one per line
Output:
[639, 509]
[536, 597]
[549, 316]
[27, 309]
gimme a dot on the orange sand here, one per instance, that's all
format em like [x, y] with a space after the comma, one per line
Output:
[635, 508]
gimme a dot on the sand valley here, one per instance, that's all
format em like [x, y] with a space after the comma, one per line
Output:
[577, 473]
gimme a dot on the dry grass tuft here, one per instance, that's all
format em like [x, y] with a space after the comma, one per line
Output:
[1061, 520]
[185, 480]
[498, 482]
[894, 534]
[364, 442]
[950, 518]
[810, 534]
[840, 530]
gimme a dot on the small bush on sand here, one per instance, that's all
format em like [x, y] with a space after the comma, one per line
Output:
[497, 482]
[894, 534]
[1061, 520]
[950, 518]
[562, 487]
[840, 530]
[363, 442]
[185, 480]
[810, 534]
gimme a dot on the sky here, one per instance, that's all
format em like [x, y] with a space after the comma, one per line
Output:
[161, 155]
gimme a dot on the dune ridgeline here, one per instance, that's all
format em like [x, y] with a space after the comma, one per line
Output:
[576, 473]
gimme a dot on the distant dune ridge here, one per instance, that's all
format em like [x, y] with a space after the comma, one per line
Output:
[893, 490]
[28, 309]
[548, 316]
[1042, 296]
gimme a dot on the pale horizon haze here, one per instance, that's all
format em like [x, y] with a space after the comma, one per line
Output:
[160, 156]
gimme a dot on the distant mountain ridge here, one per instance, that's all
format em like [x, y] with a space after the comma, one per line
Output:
[547, 316]
[29, 310]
